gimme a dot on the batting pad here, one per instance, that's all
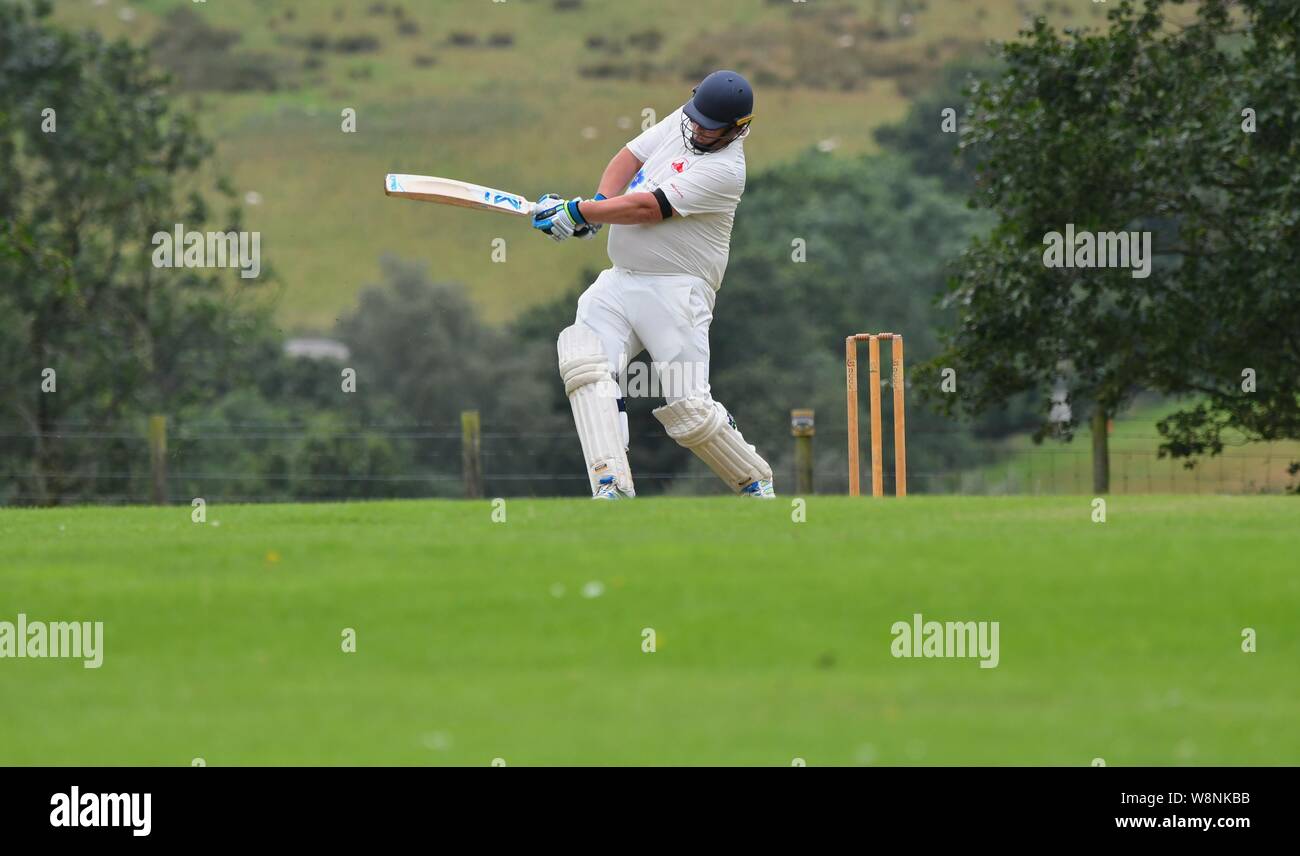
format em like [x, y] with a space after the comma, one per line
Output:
[593, 395]
[704, 427]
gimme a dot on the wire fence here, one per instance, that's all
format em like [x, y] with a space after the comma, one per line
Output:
[251, 462]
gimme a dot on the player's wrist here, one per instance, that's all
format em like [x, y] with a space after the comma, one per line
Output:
[598, 197]
[575, 211]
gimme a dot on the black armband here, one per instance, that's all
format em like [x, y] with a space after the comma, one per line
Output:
[665, 210]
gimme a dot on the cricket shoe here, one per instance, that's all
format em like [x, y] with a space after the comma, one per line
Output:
[760, 489]
[606, 488]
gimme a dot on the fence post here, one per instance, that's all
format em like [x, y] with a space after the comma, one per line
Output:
[158, 459]
[470, 448]
[802, 428]
[1100, 451]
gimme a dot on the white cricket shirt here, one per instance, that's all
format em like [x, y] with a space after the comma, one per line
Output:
[703, 190]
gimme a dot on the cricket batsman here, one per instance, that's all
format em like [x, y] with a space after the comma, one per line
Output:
[669, 197]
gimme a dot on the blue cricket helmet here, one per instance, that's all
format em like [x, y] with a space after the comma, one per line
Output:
[722, 99]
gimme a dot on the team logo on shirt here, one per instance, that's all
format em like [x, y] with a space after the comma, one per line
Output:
[679, 164]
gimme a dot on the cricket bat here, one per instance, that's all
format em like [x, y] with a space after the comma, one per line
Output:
[447, 191]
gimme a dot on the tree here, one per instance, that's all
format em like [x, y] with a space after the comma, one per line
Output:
[1139, 128]
[84, 188]
[424, 354]
[921, 137]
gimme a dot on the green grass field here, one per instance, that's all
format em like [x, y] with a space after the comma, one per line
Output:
[522, 640]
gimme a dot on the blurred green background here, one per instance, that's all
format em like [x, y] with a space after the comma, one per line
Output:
[848, 164]
[532, 96]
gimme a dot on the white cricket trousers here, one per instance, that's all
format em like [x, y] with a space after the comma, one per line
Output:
[668, 315]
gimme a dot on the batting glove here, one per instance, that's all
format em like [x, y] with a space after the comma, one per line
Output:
[558, 218]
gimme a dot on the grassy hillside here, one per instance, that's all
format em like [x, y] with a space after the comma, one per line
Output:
[522, 640]
[1055, 467]
[530, 95]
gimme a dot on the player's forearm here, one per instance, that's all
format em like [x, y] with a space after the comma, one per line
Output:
[631, 209]
[618, 174]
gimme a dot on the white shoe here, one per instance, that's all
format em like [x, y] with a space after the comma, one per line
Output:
[761, 489]
[606, 488]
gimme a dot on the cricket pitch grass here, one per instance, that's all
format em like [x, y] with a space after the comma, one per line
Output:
[523, 640]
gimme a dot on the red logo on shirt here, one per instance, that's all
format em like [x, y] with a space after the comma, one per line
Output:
[679, 165]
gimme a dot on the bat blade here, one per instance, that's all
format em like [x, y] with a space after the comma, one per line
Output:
[448, 191]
